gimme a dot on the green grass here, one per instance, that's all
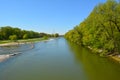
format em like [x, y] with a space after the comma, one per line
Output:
[5, 41]
[23, 40]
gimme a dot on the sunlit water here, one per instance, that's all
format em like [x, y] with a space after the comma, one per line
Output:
[57, 60]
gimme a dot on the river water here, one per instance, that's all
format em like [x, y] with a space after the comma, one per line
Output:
[57, 60]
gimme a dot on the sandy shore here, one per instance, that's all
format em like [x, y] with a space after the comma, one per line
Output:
[13, 44]
[9, 44]
[4, 57]
[18, 43]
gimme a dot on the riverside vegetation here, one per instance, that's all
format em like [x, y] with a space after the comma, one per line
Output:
[9, 34]
[100, 31]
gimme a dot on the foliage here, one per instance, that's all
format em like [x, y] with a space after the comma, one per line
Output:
[13, 37]
[7, 33]
[101, 29]
[45, 37]
[25, 36]
[56, 35]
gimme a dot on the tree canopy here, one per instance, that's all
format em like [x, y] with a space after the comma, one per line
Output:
[101, 29]
[9, 32]
[13, 37]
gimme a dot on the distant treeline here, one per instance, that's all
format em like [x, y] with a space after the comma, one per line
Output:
[100, 31]
[11, 33]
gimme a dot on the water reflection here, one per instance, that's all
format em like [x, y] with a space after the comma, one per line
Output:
[97, 68]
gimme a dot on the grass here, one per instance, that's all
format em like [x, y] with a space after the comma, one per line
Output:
[23, 40]
[5, 41]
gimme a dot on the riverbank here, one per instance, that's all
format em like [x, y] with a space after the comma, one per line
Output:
[4, 57]
[18, 42]
[115, 57]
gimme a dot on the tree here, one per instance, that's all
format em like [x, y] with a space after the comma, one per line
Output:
[56, 35]
[17, 32]
[25, 36]
[101, 29]
[13, 37]
[45, 37]
[6, 32]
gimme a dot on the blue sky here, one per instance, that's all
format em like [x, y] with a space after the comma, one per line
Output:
[48, 16]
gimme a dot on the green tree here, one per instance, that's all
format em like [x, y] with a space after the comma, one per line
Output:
[25, 36]
[101, 29]
[13, 37]
[56, 35]
[6, 32]
[45, 37]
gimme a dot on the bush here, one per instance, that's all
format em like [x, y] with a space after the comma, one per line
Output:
[25, 36]
[13, 37]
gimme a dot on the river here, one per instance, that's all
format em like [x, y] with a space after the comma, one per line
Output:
[57, 60]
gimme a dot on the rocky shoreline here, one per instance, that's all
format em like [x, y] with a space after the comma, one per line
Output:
[4, 57]
[113, 57]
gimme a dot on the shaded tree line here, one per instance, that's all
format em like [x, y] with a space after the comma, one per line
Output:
[100, 30]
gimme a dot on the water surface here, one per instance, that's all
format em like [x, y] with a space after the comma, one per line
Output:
[57, 60]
